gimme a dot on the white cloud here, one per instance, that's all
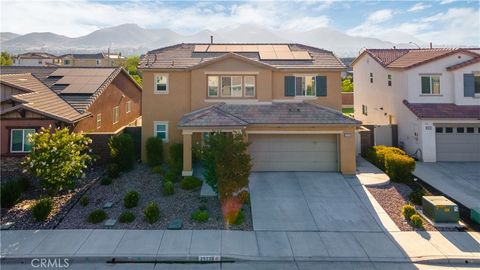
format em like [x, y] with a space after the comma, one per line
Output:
[447, 2]
[418, 7]
[380, 16]
[371, 24]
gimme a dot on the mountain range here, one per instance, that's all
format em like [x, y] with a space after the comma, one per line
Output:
[133, 39]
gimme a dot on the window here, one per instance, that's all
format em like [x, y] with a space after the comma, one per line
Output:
[470, 130]
[364, 110]
[439, 130]
[389, 79]
[99, 120]
[213, 86]
[66, 62]
[129, 106]
[371, 77]
[232, 86]
[477, 84]
[160, 129]
[39, 62]
[305, 86]
[116, 114]
[161, 84]
[249, 86]
[98, 62]
[431, 85]
[460, 130]
[226, 86]
[237, 86]
[19, 142]
[448, 130]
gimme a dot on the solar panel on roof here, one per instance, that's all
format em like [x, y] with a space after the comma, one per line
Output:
[200, 48]
[301, 55]
[267, 55]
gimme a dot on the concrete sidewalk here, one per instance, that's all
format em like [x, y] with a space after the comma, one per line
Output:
[187, 245]
[369, 175]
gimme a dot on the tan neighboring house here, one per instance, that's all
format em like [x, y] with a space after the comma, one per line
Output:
[92, 60]
[284, 98]
[32, 59]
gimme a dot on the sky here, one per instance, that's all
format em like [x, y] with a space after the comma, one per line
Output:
[441, 22]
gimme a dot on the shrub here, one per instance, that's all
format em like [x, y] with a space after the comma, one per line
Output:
[122, 151]
[97, 216]
[42, 209]
[399, 167]
[84, 200]
[151, 212]
[112, 170]
[190, 183]
[9, 192]
[377, 154]
[168, 188]
[57, 158]
[154, 148]
[106, 181]
[416, 196]
[23, 183]
[176, 158]
[200, 216]
[126, 217]
[170, 176]
[408, 210]
[416, 221]
[158, 169]
[131, 199]
[240, 218]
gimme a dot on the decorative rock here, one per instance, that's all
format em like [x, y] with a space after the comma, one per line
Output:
[108, 205]
[110, 222]
[6, 226]
[175, 224]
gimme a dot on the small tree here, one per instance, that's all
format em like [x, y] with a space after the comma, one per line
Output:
[6, 59]
[347, 84]
[122, 151]
[58, 158]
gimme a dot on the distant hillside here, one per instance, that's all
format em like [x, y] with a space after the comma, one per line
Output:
[4, 36]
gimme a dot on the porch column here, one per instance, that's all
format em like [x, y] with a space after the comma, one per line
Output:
[347, 151]
[187, 153]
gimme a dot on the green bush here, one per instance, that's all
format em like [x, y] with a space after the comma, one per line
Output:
[84, 200]
[106, 181]
[240, 218]
[399, 167]
[168, 188]
[42, 209]
[126, 217]
[170, 176]
[158, 169]
[122, 151]
[58, 158]
[190, 183]
[151, 212]
[112, 170]
[154, 148]
[131, 199]
[97, 216]
[416, 196]
[200, 216]
[23, 183]
[416, 221]
[377, 154]
[408, 210]
[176, 158]
[9, 192]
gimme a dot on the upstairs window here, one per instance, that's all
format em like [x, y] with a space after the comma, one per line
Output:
[161, 84]
[213, 86]
[19, 141]
[160, 129]
[364, 110]
[231, 86]
[99, 120]
[129, 106]
[477, 84]
[431, 85]
[371, 77]
[305, 86]
[66, 62]
[249, 86]
[389, 79]
[116, 114]
[98, 62]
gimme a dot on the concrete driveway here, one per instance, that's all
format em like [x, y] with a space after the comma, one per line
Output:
[307, 201]
[459, 180]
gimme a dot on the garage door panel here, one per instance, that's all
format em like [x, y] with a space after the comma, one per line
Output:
[294, 152]
[458, 146]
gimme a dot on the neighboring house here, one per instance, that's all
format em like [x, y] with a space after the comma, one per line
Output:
[92, 60]
[284, 98]
[90, 100]
[433, 95]
[32, 59]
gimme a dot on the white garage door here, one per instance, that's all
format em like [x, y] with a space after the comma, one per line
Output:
[458, 143]
[281, 152]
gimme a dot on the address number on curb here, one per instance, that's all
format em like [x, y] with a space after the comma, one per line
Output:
[209, 258]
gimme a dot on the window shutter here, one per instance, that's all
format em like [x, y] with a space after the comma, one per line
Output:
[289, 86]
[321, 86]
[468, 85]
[425, 85]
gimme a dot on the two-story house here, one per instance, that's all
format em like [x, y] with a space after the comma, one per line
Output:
[92, 60]
[432, 94]
[284, 98]
[39, 59]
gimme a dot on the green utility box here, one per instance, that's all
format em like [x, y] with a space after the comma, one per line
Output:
[475, 214]
[440, 209]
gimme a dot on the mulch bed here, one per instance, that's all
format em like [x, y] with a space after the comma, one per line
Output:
[20, 213]
[392, 197]
[149, 185]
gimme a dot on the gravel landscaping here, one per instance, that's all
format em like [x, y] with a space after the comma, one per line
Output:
[149, 186]
[392, 197]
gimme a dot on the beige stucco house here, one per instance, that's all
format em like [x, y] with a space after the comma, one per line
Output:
[284, 98]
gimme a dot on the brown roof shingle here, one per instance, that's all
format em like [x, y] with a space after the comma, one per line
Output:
[444, 110]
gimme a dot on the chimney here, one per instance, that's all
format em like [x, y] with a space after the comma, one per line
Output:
[431, 46]
[211, 39]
